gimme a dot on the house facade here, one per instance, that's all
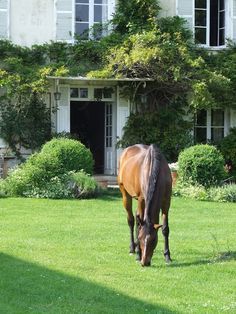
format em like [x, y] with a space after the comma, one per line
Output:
[95, 108]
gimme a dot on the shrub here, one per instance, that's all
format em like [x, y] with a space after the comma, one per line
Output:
[49, 172]
[191, 191]
[84, 185]
[225, 193]
[201, 165]
[67, 155]
[67, 185]
[228, 148]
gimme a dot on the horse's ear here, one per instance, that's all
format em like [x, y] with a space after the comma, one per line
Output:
[157, 226]
[140, 222]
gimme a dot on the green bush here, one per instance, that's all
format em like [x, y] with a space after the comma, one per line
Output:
[67, 155]
[228, 148]
[201, 165]
[51, 172]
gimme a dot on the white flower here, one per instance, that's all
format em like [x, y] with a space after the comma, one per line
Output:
[173, 166]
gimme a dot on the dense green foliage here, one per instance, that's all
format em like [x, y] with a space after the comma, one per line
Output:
[165, 127]
[228, 148]
[25, 122]
[59, 170]
[134, 16]
[201, 165]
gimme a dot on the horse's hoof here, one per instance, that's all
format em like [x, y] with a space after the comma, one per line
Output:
[168, 260]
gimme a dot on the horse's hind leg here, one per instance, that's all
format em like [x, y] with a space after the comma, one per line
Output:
[139, 218]
[127, 202]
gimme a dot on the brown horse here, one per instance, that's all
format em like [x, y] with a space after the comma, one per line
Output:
[144, 174]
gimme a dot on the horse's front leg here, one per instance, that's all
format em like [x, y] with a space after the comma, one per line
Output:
[127, 202]
[139, 218]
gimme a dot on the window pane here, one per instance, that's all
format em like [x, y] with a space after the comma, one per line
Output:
[217, 134]
[200, 135]
[97, 13]
[200, 35]
[201, 118]
[107, 92]
[222, 4]
[200, 18]
[201, 4]
[81, 1]
[98, 93]
[74, 92]
[83, 92]
[82, 13]
[221, 37]
[217, 117]
[100, 1]
[222, 19]
[100, 13]
[82, 29]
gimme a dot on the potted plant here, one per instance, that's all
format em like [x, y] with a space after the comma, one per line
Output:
[174, 172]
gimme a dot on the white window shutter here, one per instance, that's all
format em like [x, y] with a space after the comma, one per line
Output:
[63, 113]
[111, 9]
[185, 10]
[4, 19]
[234, 20]
[64, 25]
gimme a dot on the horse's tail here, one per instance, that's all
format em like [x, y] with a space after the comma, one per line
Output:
[154, 156]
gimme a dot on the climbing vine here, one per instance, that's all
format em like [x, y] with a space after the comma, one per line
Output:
[140, 45]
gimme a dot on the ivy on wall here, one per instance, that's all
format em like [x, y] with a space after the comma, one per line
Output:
[140, 45]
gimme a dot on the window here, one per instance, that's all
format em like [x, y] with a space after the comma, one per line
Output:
[90, 13]
[210, 22]
[209, 126]
[79, 92]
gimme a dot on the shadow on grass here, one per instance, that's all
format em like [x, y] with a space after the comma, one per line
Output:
[110, 194]
[30, 288]
[219, 258]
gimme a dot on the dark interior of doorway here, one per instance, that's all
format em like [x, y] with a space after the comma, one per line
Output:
[87, 124]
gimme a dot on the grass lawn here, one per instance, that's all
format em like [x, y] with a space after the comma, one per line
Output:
[70, 256]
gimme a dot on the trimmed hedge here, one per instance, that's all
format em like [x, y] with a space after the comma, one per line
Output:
[66, 155]
[201, 165]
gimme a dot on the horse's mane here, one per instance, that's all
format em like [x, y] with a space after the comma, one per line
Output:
[155, 158]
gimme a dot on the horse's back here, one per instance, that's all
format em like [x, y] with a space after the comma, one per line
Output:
[134, 170]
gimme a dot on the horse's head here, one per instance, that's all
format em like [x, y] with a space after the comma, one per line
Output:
[148, 238]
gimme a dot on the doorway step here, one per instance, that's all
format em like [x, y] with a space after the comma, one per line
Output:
[106, 181]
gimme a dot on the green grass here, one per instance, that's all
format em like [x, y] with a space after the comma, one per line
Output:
[70, 256]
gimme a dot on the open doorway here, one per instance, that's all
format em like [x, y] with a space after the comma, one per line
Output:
[87, 123]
